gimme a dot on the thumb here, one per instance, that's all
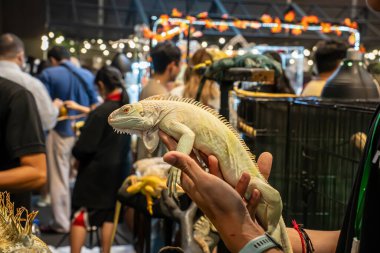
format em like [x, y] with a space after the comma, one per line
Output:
[183, 162]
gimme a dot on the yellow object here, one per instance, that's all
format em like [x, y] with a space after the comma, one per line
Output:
[150, 186]
[245, 93]
[62, 111]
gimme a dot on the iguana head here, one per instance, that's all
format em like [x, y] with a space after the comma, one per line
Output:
[135, 119]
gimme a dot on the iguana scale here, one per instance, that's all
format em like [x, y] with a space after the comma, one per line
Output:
[195, 125]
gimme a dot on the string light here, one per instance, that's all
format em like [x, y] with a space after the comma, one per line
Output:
[129, 55]
[83, 50]
[72, 50]
[44, 45]
[108, 62]
[222, 40]
[115, 45]
[204, 44]
[306, 52]
[51, 35]
[131, 44]
[292, 61]
[146, 48]
[99, 41]
[106, 52]
[102, 47]
[121, 45]
[310, 62]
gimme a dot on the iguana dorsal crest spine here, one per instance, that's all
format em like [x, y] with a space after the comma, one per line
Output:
[208, 109]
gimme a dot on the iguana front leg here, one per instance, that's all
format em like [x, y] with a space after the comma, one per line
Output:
[185, 137]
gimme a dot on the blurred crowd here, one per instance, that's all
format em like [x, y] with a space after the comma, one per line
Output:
[42, 150]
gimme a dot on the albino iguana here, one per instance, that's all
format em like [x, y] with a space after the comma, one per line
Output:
[16, 229]
[197, 126]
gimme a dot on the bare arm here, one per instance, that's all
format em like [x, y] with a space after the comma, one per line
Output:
[31, 174]
[77, 107]
[323, 241]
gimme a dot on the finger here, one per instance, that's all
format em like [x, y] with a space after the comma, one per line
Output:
[187, 184]
[265, 164]
[185, 163]
[242, 185]
[213, 166]
[169, 142]
[253, 203]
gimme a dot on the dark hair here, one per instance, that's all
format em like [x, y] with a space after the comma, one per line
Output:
[59, 53]
[163, 54]
[328, 55]
[10, 45]
[282, 83]
[112, 79]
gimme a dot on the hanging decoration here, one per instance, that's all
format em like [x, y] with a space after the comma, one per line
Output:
[169, 27]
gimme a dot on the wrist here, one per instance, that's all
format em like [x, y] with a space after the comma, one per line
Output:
[240, 234]
[264, 243]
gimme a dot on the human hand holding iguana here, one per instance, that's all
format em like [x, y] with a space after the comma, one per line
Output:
[225, 206]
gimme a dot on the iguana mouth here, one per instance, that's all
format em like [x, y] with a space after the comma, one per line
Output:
[127, 131]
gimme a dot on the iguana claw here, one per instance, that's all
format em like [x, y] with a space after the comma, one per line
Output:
[173, 178]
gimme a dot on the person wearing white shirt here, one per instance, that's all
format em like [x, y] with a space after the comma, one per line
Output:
[11, 62]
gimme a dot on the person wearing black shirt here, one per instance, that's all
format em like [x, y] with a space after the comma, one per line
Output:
[22, 144]
[102, 156]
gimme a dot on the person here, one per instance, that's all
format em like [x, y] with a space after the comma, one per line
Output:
[282, 83]
[74, 86]
[102, 155]
[166, 59]
[327, 57]
[11, 62]
[210, 95]
[22, 144]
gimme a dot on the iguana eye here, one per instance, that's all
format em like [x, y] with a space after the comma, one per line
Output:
[126, 109]
[142, 114]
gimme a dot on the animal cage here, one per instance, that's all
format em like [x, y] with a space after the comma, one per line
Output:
[326, 141]
[316, 146]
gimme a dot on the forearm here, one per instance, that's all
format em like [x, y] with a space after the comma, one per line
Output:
[21, 178]
[83, 109]
[28, 176]
[323, 241]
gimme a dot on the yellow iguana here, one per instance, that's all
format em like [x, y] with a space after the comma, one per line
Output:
[16, 229]
[195, 125]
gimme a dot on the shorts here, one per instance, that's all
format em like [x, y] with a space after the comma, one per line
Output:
[89, 217]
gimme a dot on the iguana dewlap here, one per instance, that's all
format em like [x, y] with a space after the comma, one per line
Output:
[194, 125]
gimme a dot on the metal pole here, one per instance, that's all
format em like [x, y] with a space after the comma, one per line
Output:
[353, 8]
[100, 16]
[188, 44]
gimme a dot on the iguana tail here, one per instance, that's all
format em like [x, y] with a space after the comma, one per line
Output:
[281, 235]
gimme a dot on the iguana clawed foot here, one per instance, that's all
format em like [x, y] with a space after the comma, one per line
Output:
[174, 177]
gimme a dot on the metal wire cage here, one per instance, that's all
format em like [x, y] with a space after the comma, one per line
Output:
[316, 146]
[326, 141]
